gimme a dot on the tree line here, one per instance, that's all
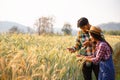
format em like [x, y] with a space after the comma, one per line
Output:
[44, 25]
[112, 32]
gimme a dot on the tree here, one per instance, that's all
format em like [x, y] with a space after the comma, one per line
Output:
[67, 30]
[44, 25]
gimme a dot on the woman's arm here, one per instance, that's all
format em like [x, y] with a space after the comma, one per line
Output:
[99, 55]
[87, 58]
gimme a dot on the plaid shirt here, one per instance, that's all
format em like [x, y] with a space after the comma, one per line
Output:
[103, 52]
[81, 38]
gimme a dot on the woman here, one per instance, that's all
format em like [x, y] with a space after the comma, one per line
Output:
[102, 55]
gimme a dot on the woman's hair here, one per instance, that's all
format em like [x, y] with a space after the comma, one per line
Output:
[100, 38]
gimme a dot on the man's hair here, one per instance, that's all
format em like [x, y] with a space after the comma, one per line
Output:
[82, 22]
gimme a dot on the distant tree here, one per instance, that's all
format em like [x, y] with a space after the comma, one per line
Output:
[44, 25]
[67, 30]
[14, 29]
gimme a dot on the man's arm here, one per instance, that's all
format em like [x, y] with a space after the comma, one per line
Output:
[77, 45]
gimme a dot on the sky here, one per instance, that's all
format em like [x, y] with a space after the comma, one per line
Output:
[26, 12]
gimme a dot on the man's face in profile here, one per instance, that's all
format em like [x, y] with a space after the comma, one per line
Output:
[85, 28]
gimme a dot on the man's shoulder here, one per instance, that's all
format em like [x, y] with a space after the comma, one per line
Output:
[79, 32]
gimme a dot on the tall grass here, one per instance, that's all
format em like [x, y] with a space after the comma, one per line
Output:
[33, 57]
[116, 49]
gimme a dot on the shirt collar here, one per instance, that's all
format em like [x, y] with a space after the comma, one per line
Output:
[98, 43]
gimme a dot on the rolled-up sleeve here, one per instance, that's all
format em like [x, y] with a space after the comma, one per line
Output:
[99, 53]
[78, 44]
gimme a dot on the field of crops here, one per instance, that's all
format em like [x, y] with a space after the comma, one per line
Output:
[33, 57]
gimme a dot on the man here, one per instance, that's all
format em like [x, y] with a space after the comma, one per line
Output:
[85, 46]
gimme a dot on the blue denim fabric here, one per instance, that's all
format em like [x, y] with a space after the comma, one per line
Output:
[107, 71]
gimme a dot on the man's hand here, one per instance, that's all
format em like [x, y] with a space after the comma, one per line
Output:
[78, 55]
[86, 43]
[71, 50]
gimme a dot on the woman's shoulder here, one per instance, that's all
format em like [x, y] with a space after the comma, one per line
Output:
[103, 44]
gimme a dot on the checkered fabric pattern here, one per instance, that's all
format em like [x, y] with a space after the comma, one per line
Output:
[81, 38]
[103, 52]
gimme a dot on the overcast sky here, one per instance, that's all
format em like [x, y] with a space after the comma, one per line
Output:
[27, 11]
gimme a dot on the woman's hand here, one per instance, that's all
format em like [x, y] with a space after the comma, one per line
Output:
[81, 58]
[86, 58]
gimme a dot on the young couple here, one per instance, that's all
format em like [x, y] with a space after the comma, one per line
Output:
[96, 50]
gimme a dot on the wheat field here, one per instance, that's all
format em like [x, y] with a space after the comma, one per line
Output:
[33, 57]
